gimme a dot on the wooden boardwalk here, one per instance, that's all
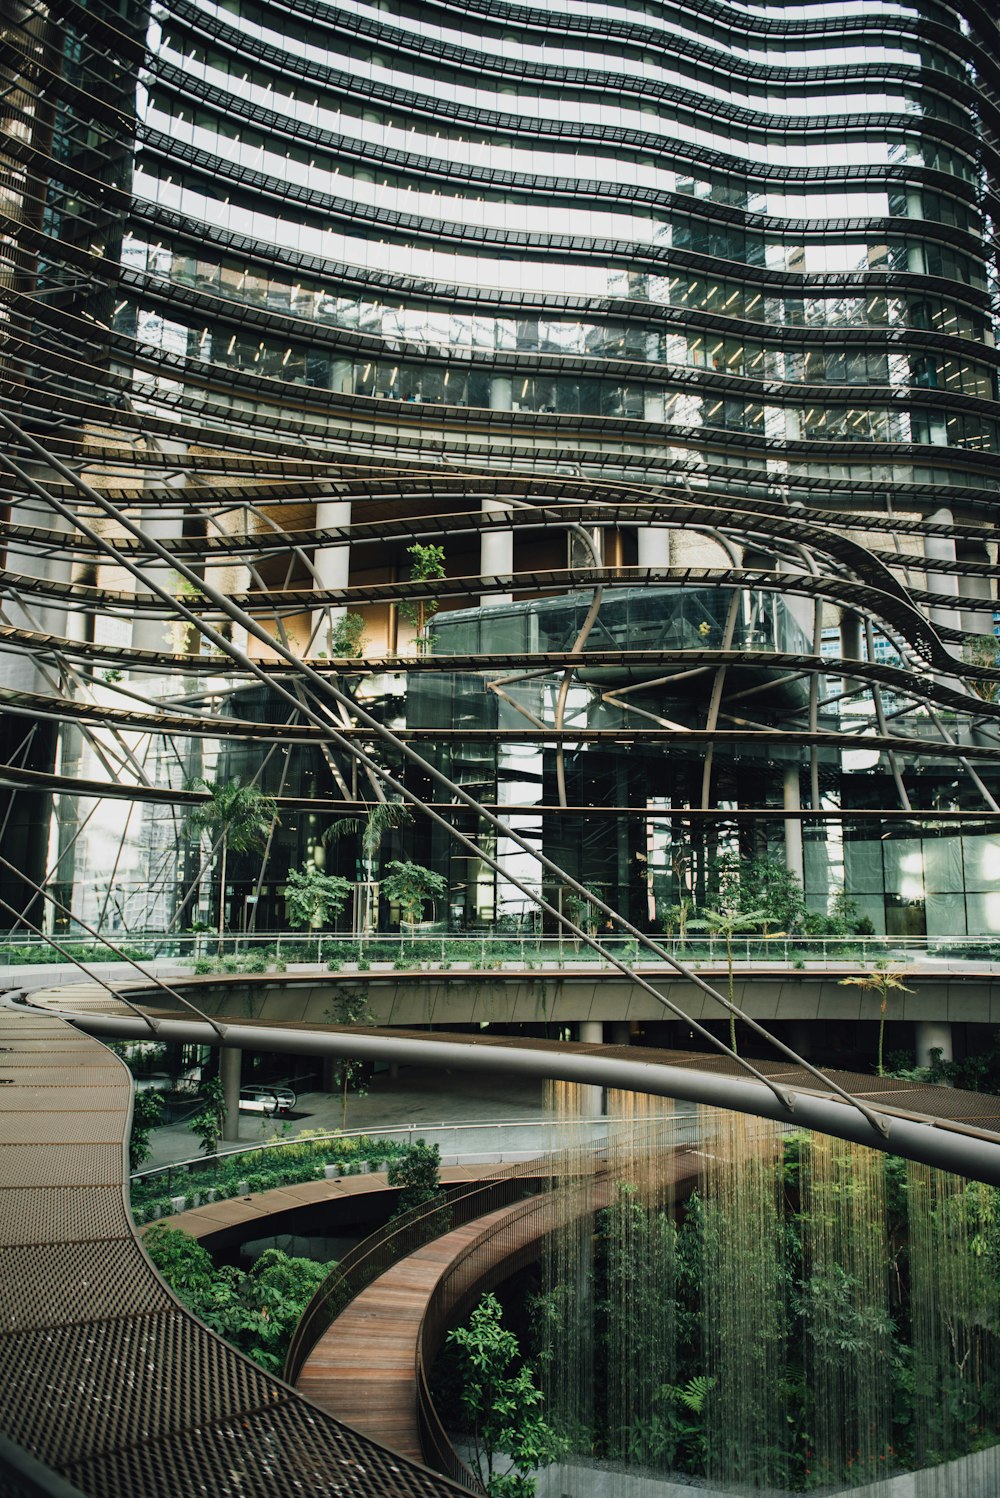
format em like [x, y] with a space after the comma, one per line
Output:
[363, 1369]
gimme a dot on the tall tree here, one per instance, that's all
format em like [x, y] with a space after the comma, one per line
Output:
[238, 817]
[881, 980]
[728, 923]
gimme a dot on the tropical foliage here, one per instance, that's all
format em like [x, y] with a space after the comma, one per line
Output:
[501, 1404]
[427, 565]
[239, 818]
[881, 980]
[314, 898]
[412, 887]
[851, 1322]
[256, 1309]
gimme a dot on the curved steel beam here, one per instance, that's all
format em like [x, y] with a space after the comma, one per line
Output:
[933, 1143]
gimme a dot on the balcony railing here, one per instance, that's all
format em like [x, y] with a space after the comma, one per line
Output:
[283, 951]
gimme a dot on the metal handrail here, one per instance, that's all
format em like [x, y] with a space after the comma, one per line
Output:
[405, 1132]
[394, 1241]
[447, 1299]
[514, 946]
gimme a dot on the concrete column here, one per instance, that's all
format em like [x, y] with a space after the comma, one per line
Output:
[328, 1080]
[333, 566]
[342, 376]
[794, 858]
[496, 553]
[496, 547]
[501, 393]
[591, 1032]
[932, 1035]
[942, 549]
[230, 1066]
[155, 634]
[975, 622]
[851, 647]
[652, 405]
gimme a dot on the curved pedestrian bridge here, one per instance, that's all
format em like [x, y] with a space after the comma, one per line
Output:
[107, 1380]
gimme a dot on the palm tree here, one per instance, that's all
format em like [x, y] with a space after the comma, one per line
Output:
[880, 980]
[379, 819]
[728, 923]
[236, 816]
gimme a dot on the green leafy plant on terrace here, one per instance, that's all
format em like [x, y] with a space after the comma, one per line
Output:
[255, 1310]
[314, 898]
[427, 565]
[265, 1169]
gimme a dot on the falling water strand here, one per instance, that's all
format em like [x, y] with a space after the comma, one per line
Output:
[744, 1323]
[845, 1310]
[568, 1271]
[636, 1331]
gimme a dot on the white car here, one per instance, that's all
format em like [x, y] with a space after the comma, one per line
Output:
[267, 1100]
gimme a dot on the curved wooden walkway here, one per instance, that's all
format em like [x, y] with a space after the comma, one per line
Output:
[363, 1369]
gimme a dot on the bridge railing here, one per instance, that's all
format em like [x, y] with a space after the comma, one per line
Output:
[283, 951]
[399, 1237]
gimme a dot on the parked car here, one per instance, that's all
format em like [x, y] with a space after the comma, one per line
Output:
[267, 1100]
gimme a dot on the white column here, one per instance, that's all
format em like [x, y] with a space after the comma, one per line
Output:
[496, 547]
[333, 566]
[149, 633]
[975, 623]
[591, 1032]
[342, 376]
[496, 553]
[794, 858]
[230, 1065]
[654, 546]
[932, 1035]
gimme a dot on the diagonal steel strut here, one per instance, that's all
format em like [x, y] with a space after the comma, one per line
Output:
[324, 688]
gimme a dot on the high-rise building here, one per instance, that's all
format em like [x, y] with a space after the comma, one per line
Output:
[615, 383]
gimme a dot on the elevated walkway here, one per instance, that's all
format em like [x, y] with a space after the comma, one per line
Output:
[107, 1380]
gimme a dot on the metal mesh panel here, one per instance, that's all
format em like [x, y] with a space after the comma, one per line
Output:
[45, 1099]
[285, 1450]
[37, 1127]
[106, 1378]
[69, 1165]
[56, 1052]
[51, 1215]
[127, 1381]
[75, 1282]
[31, 1074]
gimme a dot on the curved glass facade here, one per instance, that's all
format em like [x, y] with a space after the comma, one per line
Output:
[692, 304]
